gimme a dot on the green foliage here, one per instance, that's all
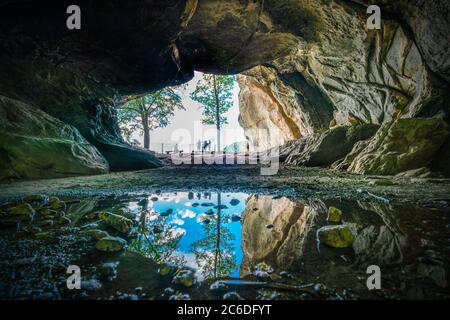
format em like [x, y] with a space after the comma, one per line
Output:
[159, 246]
[149, 112]
[205, 94]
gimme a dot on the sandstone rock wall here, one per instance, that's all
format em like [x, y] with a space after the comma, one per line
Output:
[266, 122]
[348, 75]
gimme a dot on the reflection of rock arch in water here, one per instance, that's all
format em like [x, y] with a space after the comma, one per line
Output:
[283, 245]
[291, 243]
[383, 244]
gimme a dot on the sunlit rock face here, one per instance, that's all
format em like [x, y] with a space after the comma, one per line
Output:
[265, 121]
[309, 65]
[349, 74]
[345, 75]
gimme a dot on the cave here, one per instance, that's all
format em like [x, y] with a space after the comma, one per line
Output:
[357, 118]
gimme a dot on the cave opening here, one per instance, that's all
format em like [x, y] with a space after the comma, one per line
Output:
[191, 126]
[356, 121]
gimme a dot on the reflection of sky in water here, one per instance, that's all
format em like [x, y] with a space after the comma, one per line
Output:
[187, 211]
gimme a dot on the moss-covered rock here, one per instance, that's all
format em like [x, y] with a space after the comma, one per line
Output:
[117, 222]
[95, 233]
[184, 277]
[55, 203]
[47, 212]
[402, 145]
[22, 209]
[167, 268]
[334, 215]
[336, 236]
[110, 244]
[36, 145]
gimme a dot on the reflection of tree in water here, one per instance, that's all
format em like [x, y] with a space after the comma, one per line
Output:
[214, 253]
[157, 239]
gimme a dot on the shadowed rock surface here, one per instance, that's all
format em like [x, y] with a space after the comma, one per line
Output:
[32, 143]
[401, 146]
[332, 145]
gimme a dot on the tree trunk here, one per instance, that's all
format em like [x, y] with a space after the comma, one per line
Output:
[146, 131]
[217, 255]
[216, 93]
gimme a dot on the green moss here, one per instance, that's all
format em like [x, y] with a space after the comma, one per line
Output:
[96, 234]
[117, 222]
[111, 244]
[402, 145]
[336, 236]
[22, 209]
[334, 215]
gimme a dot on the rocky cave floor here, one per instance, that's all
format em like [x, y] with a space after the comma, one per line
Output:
[400, 224]
[290, 181]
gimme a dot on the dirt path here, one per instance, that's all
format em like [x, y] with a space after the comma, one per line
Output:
[295, 182]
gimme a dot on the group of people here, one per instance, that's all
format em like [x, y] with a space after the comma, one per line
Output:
[201, 145]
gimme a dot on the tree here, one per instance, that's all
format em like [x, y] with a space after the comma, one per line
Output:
[214, 93]
[149, 112]
[156, 238]
[215, 251]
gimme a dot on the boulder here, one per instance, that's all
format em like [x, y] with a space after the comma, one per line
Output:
[110, 244]
[22, 209]
[117, 222]
[330, 146]
[185, 277]
[232, 296]
[334, 215]
[55, 203]
[336, 236]
[402, 145]
[36, 145]
[95, 234]
[379, 244]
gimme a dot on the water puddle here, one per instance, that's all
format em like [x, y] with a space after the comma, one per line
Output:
[208, 245]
